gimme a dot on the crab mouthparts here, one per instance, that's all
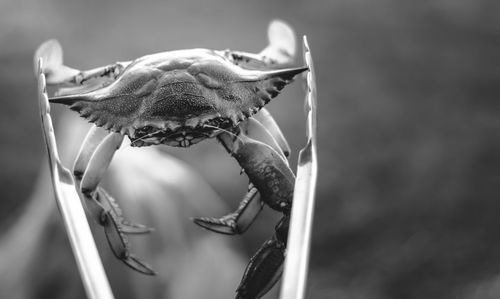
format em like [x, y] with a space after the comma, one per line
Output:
[181, 137]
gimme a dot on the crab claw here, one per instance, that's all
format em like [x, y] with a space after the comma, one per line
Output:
[55, 71]
[240, 220]
[263, 271]
[266, 266]
[251, 205]
[271, 178]
[267, 169]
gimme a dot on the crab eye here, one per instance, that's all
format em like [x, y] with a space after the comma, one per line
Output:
[145, 129]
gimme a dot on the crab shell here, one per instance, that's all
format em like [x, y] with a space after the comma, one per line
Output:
[179, 98]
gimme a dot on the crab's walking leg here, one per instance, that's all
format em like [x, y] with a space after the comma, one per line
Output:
[268, 170]
[267, 120]
[251, 205]
[238, 221]
[93, 164]
[92, 161]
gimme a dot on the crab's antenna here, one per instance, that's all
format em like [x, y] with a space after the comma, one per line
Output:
[146, 136]
[223, 130]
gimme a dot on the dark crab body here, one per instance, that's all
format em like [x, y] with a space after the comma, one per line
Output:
[180, 98]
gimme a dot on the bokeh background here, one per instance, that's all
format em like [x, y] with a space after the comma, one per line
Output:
[409, 182]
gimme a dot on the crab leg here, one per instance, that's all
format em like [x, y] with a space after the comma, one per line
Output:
[93, 160]
[267, 120]
[255, 129]
[268, 170]
[238, 221]
[251, 205]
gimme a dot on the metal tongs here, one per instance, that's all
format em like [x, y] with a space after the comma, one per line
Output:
[299, 234]
[87, 258]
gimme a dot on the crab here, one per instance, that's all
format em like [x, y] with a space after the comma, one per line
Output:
[180, 98]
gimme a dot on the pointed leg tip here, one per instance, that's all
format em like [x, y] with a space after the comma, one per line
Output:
[217, 225]
[136, 264]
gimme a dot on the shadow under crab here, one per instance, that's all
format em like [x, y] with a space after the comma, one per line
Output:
[180, 98]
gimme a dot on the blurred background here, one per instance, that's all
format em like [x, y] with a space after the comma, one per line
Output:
[407, 198]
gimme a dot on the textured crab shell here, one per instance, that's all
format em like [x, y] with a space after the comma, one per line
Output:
[179, 90]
